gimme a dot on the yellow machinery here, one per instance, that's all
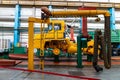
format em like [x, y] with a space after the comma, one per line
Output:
[54, 38]
[90, 48]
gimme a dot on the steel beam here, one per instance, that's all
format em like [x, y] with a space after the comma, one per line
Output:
[30, 46]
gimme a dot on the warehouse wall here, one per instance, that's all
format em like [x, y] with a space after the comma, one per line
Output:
[7, 15]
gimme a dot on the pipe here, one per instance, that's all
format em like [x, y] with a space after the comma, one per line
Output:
[107, 38]
[79, 13]
[74, 13]
[46, 11]
[84, 27]
[95, 56]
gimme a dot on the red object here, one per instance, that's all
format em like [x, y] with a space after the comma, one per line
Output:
[6, 62]
[20, 56]
[72, 34]
[84, 21]
[51, 73]
[84, 27]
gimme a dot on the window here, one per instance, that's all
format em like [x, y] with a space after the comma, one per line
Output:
[50, 27]
[57, 26]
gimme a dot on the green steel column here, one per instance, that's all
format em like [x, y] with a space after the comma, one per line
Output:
[79, 52]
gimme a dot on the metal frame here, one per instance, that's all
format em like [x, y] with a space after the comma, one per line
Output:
[31, 21]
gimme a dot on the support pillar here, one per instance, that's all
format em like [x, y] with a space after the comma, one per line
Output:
[80, 23]
[30, 45]
[17, 25]
[79, 52]
[50, 7]
[84, 27]
[112, 18]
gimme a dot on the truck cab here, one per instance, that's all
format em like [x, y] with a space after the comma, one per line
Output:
[55, 31]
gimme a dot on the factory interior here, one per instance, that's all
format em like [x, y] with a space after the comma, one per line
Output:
[59, 40]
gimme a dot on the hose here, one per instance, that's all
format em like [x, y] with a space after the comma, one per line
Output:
[100, 40]
[95, 56]
[105, 55]
[107, 39]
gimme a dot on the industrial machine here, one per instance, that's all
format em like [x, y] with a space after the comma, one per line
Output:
[55, 39]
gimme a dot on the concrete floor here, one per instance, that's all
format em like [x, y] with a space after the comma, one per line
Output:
[88, 71]
[68, 67]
